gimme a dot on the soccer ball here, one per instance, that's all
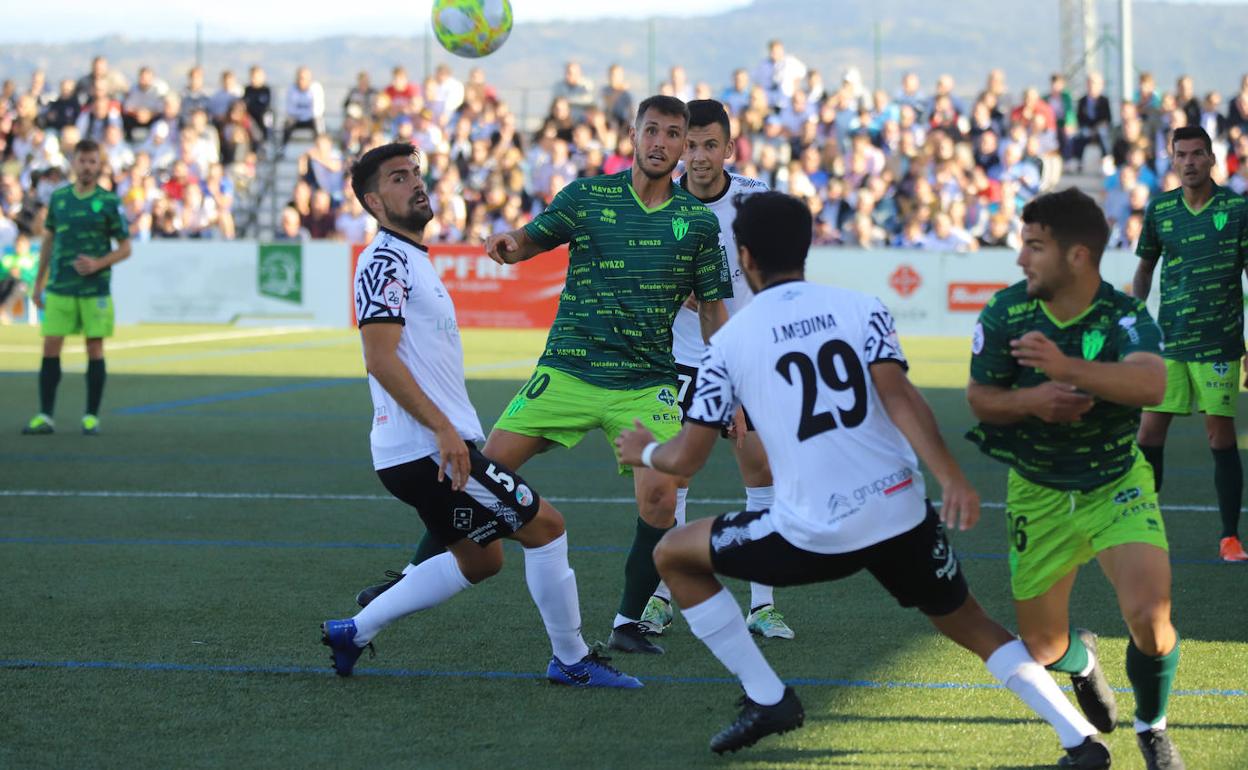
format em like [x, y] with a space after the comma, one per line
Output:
[471, 28]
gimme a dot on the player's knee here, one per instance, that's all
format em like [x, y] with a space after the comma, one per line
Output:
[667, 557]
[1147, 616]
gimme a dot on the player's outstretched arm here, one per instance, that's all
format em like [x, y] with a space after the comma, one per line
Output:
[1139, 379]
[511, 247]
[682, 456]
[381, 343]
[909, 411]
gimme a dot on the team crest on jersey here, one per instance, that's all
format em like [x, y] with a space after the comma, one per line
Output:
[665, 397]
[1093, 341]
[97, 206]
[680, 228]
[1219, 220]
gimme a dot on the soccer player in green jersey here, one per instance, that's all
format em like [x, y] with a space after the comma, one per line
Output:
[75, 261]
[638, 246]
[1199, 232]
[1061, 365]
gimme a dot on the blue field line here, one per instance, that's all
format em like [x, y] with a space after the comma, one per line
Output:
[238, 395]
[287, 544]
[412, 673]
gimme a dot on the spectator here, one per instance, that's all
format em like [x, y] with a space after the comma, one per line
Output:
[1237, 112]
[1093, 120]
[1000, 234]
[64, 109]
[320, 219]
[575, 90]
[945, 236]
[229, 92]
[402, 93]
[305, 106]
[617, 102]
[736, 96]
[144, 102]
[779, 74]
[117, 152]
[100, 77]
[19, 263]
[353, 224]
[322, 166]
[289, 227]
[259, 100]
[194, 97]
[446, 96]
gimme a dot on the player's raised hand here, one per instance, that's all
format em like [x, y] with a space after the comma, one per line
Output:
[630, 443]
[1038, 351]
[455, 461]
[1059, 402]
[498, 247]
[959, 504]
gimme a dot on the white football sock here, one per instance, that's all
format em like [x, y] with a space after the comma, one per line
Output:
[721, 627]
[682, 494]
[1014, 667]
[761, 595]
[552, 584]
[1143, 727]
[427, 585]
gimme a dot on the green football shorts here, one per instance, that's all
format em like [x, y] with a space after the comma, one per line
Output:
[561, 408]
[1053, 531]
[64, 315]
[1212, 386]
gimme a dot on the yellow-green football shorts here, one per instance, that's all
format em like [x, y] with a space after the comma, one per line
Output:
[64, 315]
[1054, 531]
[556, 406]
[1212, 386]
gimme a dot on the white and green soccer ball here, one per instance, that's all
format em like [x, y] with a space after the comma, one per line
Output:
[471, 28]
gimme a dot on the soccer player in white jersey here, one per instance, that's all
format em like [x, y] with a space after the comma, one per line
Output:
[423, 429]
[707, 148]
[823, 373]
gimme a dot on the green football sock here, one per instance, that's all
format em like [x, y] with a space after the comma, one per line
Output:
[1156, 456]
[1075, 660]
[640, 575]
[427, 548]
[1228, 480]
[1151, 680]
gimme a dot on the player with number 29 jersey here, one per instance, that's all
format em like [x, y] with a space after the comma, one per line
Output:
[797, 358]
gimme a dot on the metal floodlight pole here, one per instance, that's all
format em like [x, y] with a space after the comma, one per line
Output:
[1126, 49]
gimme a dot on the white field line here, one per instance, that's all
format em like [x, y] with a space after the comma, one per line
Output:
[181, 339]
[300, 496]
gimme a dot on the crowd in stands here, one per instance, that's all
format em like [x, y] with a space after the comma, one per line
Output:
[919, 168]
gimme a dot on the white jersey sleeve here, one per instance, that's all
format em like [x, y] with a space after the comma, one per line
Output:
[381, 287]
[714, 402]
[880, 343]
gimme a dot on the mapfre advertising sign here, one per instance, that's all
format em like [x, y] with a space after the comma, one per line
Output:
[490, 295]
[964, 297]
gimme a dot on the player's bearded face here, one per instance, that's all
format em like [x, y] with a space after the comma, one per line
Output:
[1043, 263]
[404, 200]
[659, 142]
[87, 167]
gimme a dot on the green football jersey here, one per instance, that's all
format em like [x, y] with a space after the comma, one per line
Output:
[629, 269]
[1202, 256]
[1080, 455]
[82, 225]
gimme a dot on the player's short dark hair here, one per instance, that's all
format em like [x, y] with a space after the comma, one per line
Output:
[1072, 218]
[776, 228]
[664, 105]
[1192, 132]
[86, 145]
[708, 112]
[364, 171]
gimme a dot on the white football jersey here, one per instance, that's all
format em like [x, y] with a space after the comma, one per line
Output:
[395, 283]
[797, 358]
[687, 343]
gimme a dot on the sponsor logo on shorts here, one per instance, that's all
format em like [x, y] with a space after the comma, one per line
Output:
[942, 554]
[524, 496]
[1221, 368]
[507, 514]
[1125, 496]
[730, 537]
[666, 397]
[461, 519]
